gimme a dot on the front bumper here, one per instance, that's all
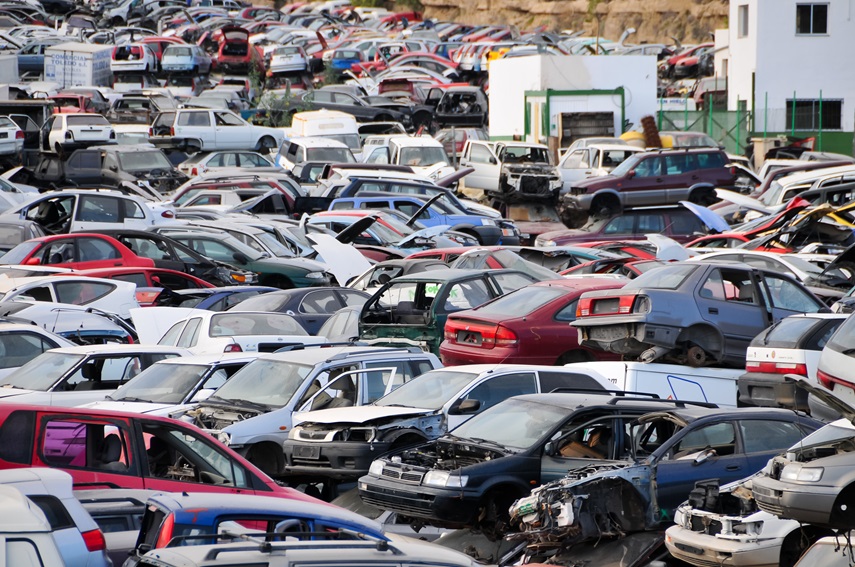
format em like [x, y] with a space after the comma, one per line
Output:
[701, 549]
[807, 503]
[339, 460]
[445, 507]
[770, 390]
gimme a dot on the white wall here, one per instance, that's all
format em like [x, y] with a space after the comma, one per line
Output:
[743, 53]
[510, 78]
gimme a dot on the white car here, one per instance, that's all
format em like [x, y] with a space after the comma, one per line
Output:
[74, 207]
[202, 163]
[202, 331]
[80, 375]
[113, 296]
[288, 59]
[299, 150]
[592, 161]
[134, 57]
[11, 137]
[22, 342]
[210, 129]
[65, 132]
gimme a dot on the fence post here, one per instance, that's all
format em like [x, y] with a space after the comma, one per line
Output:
[738, 125]
[766, 115]
[820, 119]
[793, 116]
[709, 120]
[686, 113]
[660, 114]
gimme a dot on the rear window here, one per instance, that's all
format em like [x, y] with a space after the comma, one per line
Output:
[522, 301]
[787, 333]
[165, 119]
[54, 510]
[178, 51]
[843, 341]
[666, 277]
[87, 120]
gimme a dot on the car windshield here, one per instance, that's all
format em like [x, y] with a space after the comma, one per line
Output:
[276, 247]
[246, 324]
[349, 140]
[521, 302]
[665, 277]
[516, 424]
[177, 52]
[623, 168]
[162, 383]
[19, 253]
[42, 372]
[266, 382]
[144, 161]
[431, 390]
[330, 155]
[423, 156]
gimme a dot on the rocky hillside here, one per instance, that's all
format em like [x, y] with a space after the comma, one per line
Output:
[655, 21]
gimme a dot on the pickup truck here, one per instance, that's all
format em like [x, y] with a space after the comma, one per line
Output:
[211, 129]
[513, 172]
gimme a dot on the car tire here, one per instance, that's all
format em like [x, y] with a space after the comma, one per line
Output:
[605, 206]
[797, 542]
[495, 515]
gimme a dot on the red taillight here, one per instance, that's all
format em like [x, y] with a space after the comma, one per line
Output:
[479, 335]
[829, 381]
[172, 130]
[19, 135]
[151, 132]
[194, 172]
[505, 337]
[605, 305]
[167, 214]
[625, 303]
[166, 530]
[233, 348]
[94, 540]
[776, 367]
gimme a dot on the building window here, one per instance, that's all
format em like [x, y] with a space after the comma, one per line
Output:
[811, 19]
[807, 116]
[742, 30]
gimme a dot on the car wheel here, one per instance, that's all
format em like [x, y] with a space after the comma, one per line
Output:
[266, 144]
[797, 542]
[494, 520]
[696, 356]
[605, 206]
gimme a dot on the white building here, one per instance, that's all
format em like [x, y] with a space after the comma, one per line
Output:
[528, 95]
[786, 54]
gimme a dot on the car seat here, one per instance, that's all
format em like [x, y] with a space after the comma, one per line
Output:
[111, 452]
[346, 394]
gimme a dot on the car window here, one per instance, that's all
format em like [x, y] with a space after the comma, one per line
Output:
[98, 209]
[16, 349]
[650, 223]
[320, 302]
[675, 164]
[193, 119]
[479, 153]
[718, 436]
[466, 295]
[352, 298]
[57, 252]
[104, 373]
[766, 435]
[786, 294]
[621, 225]
[500, 388]
[509, 282]
[170, 337]
[685, 224]
[190, 334]
[81, 293]
[227, 119]
[568, 312]
[649, 167]
[93, 249]
[552, 380]
[67, 442]
[711, 160]
[730, 285]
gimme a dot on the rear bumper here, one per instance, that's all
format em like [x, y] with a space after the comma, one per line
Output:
[770, 390]
[628, 337]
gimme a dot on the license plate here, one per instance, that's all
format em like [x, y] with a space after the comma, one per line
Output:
[609, 333]
[307, 452]
[4, 134]
[469, 338]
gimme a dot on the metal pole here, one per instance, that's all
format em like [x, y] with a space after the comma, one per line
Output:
[765, 114]
[820, 119]
[793, 116]
[686, 113]
[660, 114]
[738, 125]
[709, 120]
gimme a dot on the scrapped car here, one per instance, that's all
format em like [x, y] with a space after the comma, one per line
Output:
[236, 53]
[78, 324]
[670, 451]
[211, 298]
[722, 524]
[174, 520]
[22, 342]
[203, 130]
[412, 310]
[472, 474]
[592, 161]
[134, 57]
[288, 59]
[812, 482]
[78, 251]
[252, 411]
[78, 375]
[187, 58]
[383, 272]
[340, 443]
[69, 289]
[202, 331]
[511, 172]
[65, 132]
[700, 313]
[528, 326]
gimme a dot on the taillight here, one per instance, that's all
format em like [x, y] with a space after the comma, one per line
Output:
[233, 348]
[625, 303]
[19, 135]
[94, 540]
[505, 337]
[829, 381]
[172, 130]
[605, 305]
[166, 530]
[194, 172]
[776, 367]
[150, 132]
[583, 309]
[167, 214]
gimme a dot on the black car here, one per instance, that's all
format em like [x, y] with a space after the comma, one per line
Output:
[310, 307]
[211, 298]
[346, 102]
[172, 255]
[459, 106]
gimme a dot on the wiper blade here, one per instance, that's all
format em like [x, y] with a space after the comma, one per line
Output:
[482, 441]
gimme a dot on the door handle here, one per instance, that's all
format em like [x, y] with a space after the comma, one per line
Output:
[695, 177]
[733, 468]
[713, 310]
[659, 180]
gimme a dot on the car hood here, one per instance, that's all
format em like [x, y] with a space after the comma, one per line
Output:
[305, 263]
[133, 407]
[344, 261]
[426, 233]
[359, 414]
[15, 392]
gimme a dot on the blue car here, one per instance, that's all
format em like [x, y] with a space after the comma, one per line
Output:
[344, 59]
[211, 298]
[173, 520]
[439, 211]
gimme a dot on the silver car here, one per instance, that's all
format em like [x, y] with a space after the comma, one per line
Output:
[185, 58]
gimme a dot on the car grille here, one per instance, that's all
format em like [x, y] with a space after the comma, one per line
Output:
[320, 463]
[774, 509]
[711, 528]
[311, 435]
[534, 185]
[403, 476]
[413, 503]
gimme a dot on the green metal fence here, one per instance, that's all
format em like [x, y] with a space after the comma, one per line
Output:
[727, 127]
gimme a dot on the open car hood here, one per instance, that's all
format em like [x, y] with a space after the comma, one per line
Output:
[741, 200]
[710, 218]
[342, 260]
[358, 414]
[426, 233]
[152, 323]
[835, 403]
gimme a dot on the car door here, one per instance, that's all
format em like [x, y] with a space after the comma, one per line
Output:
[480, 157]
[316, 307]
[232, 133]
[97, 212]
[196, 125]
[575, 166]
[98, 377]
[97, 452]
[584, 440]
[488, 392]
[730, 300]
[134, 215]
[647, 183]
[786, 297]
[94, 253]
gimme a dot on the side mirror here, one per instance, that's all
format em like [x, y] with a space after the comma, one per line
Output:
[493, 160]
[33, 261]
[202, 395]
[549, 448]
[114, 168]
[706, 455]
[141, 549]
[467, 406]
[240, 258]
[630, 174]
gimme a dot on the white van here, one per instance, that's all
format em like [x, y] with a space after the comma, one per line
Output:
[423, 153]
[668, 381]
[331, 124]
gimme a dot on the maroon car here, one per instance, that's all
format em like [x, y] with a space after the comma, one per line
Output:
[528, 326]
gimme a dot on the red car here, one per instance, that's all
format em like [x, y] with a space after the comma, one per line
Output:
[235, 53]
[78, 251]
[527, 326]
[101, 449]
[148, 278]
[67, 103]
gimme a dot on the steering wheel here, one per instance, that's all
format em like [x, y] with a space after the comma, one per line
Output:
[58, 226]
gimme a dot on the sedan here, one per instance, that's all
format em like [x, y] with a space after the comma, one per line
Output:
[213, 162]
[22, 342]
[528, 326]
[79, 251]
[700, 313]
[310, 307]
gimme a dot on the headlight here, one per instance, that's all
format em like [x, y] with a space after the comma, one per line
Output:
[316, 275]
[444, 479]
[376, 468]
[488, 222]
[224, 437]
[801, 474]
[546, 243]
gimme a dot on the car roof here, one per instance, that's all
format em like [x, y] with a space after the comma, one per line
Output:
[117, 348]
[447, 275]
[211, 359]
[314, 356]
[572, 400]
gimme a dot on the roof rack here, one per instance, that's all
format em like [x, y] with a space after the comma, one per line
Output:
[676, 403]
[566, 390]
[341, 355]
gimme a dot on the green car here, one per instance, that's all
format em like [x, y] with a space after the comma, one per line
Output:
[412, 310]
[284, 273]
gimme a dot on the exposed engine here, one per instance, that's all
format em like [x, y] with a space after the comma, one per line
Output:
[448, 456]
[216, 419]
